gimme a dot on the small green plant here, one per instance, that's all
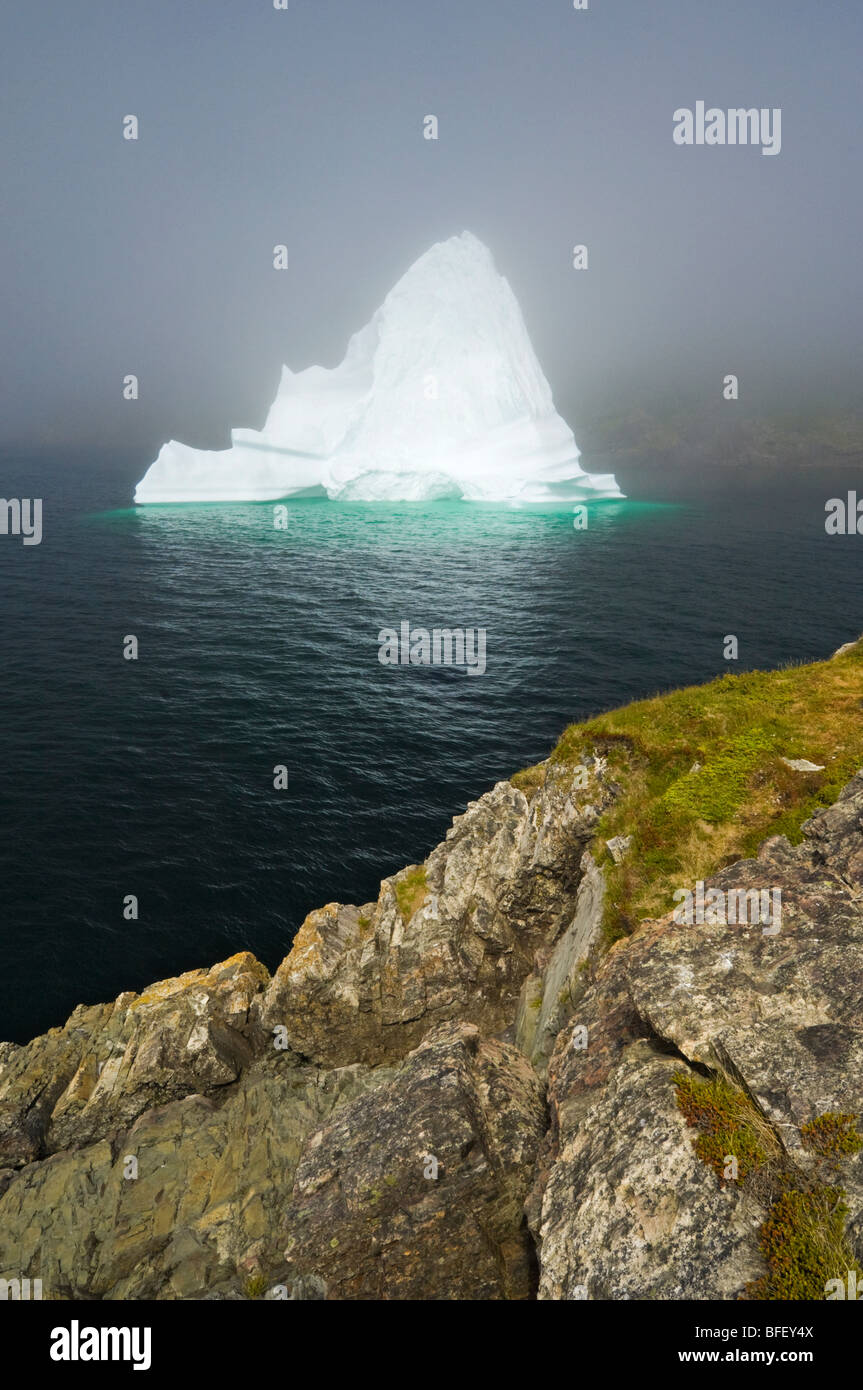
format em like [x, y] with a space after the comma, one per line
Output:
[802, 1238]
[730, 1125]
[411, 892]
[256, 1286]
[832, 1135]
[715, 790]
[529, 780]
[702, 778]
[803, 1244]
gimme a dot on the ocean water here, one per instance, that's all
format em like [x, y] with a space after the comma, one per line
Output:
[258, 647]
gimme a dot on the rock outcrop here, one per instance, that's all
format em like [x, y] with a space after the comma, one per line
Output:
[451, 939]
[436, 1203]
[623, 1207]
[451, 1093]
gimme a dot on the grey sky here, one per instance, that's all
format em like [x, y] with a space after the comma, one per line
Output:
[305, 127]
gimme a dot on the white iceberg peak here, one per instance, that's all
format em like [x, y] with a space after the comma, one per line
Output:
[440, 395]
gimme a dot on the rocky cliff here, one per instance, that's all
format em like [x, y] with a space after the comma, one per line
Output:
[479, 1087]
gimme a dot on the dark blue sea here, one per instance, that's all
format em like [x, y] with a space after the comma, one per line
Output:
[258, 647]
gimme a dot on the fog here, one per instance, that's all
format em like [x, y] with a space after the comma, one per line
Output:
[304, 127]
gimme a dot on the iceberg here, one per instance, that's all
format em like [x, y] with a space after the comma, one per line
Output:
[439, 396]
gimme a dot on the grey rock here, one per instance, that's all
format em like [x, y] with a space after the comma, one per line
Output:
[618, 846]
[369, 1220]
[550, 994]
[621, 1206]
[452, 939]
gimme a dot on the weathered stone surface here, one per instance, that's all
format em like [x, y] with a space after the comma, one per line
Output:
[366, 984]
[835, 834]
[622, 1207]
[202, 1208]
[628, 1209]
[185, 1081]
[618, 847]
[33, 1078]
[214, 1199]
[367, 1221]
[551, 992]
[784, 1012]
[112, 1062]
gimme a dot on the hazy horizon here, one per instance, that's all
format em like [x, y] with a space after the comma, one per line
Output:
[305, 127]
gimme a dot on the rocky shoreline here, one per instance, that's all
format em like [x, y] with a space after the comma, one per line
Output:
[456, 1092]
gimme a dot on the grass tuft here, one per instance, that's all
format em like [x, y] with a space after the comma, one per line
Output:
[411, 892]
[702, 776]
[256, 1286]
[832, 1135]
[802, 1239]
[804, 1246]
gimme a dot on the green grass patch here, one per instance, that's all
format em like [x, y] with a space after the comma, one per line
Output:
[802, 1239]
[832, 1135]
[702, 776]
[529, 780]
[256, 1286]
[804, 1245]
[730, 1125]
[411, 892]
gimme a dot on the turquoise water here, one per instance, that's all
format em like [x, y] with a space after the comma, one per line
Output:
[259, 647]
